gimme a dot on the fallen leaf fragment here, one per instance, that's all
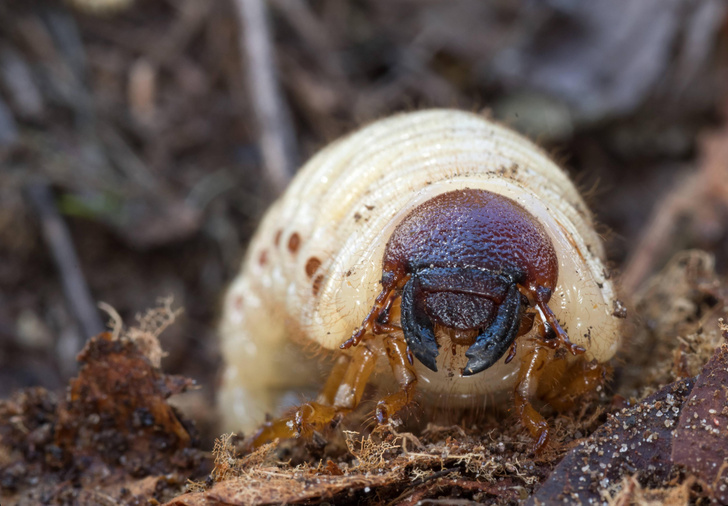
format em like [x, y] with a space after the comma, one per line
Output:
[645, 449]
[701, 439]
[634, 440]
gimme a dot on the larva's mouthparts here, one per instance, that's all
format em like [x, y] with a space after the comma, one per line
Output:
[417, 327]
[492, 344]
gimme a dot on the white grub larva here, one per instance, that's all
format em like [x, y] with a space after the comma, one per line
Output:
[446, 244]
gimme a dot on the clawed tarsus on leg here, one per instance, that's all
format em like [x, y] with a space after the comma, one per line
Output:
[536, 424]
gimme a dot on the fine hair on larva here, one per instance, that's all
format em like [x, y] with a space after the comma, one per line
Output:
[314, 267]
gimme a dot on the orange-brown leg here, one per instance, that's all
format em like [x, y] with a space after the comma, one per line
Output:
[401, 362]
[579, 379]
[529, 373]
[382, 305]
[336, 377]
[562, 338]
[341, 394]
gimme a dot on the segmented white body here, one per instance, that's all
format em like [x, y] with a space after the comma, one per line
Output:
[313, 268]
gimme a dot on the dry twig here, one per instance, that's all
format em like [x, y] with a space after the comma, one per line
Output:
[276, 137]
[60, 243]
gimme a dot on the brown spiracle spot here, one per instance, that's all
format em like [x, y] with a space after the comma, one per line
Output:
[238, 303]
[263, 258]
[277, 238]
[294, 242]
[312, 265]
[317, 284]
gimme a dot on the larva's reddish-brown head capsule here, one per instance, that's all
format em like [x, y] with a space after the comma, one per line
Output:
[437, 235]
[460, 260]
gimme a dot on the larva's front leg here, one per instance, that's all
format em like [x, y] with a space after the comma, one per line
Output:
[555, 381]
[344, 389]
[531, 369]
[402, 364]
[341, 394]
